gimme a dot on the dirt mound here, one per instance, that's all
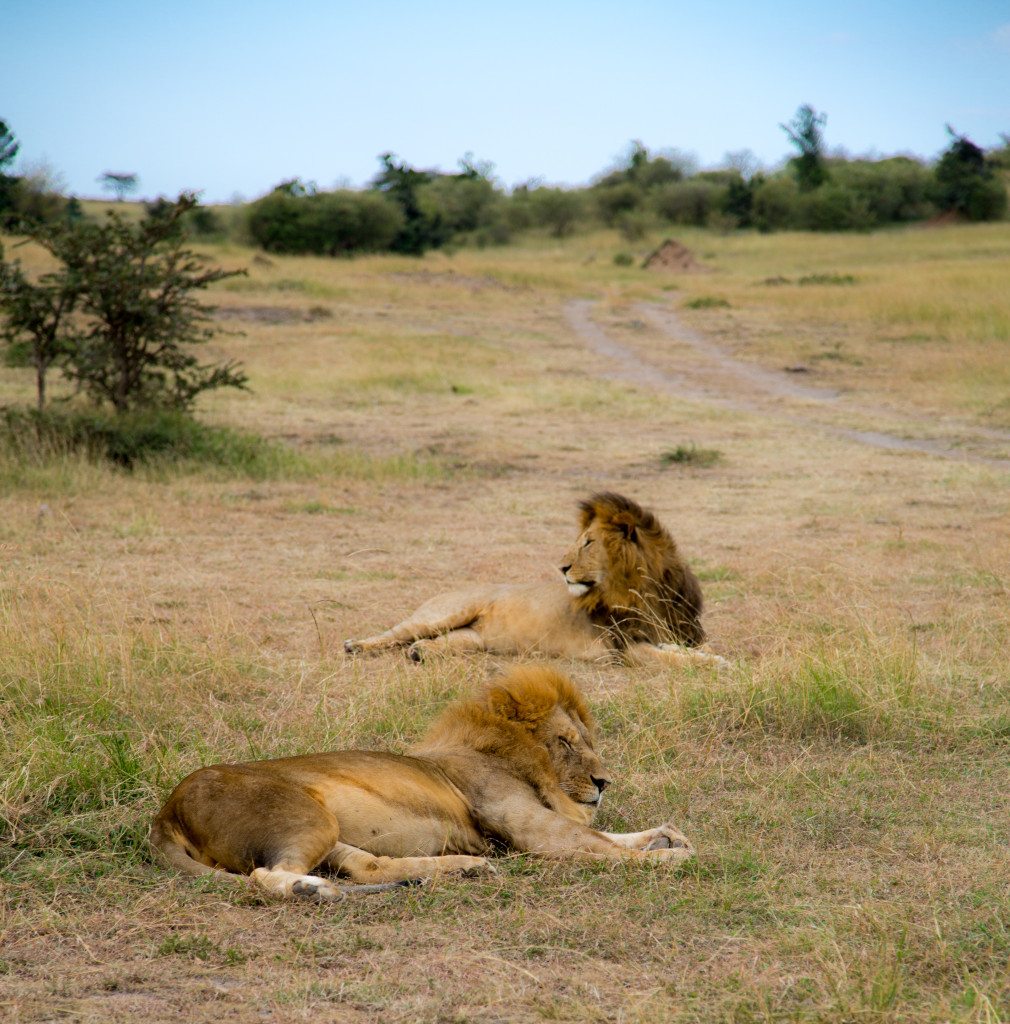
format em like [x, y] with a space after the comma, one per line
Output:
[944, 220]
[672, 256]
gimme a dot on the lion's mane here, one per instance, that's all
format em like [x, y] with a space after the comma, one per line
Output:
[649, 593]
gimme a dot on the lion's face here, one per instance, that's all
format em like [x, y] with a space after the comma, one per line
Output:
[586, 566]
[579, 768]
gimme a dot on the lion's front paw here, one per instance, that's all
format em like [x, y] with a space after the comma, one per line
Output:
[316, 888]
[416, 651]
[352, 647]
[669, 844]
[480, 866]
[694, 656]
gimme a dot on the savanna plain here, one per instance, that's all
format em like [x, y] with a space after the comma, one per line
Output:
[823, 423]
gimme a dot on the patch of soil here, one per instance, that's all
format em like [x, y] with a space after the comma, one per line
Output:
[272, 314]
[451, 277]
[672, 256]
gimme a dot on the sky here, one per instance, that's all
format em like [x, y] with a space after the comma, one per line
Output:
[231, 98]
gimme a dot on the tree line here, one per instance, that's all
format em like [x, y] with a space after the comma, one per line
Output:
[409, 210]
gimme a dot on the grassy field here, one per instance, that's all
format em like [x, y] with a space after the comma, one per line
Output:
[846, 781]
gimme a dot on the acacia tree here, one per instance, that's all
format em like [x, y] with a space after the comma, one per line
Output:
[129, 291]
[120, 183]
[804, 132]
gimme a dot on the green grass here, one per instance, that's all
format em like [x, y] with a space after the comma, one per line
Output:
[690, 455]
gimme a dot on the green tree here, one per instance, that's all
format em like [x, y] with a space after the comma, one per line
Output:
[402, 183]
[966, 182]
[36, 325]
[9, 147]
[130, 289]
[557, 209]
[119, 183]
[805, 134]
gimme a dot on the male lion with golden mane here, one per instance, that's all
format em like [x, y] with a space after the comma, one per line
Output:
[626, 589]
[516, 767]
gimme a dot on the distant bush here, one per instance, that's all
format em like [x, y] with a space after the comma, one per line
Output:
[324, 223]
[832, 207]
[966, 182]
[614, 200]
[556, 209]
[891, 191]
[623, 259]
[688, 202]
[707, 302]
[461, 204]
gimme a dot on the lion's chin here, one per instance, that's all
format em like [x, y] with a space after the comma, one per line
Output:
[578, 589]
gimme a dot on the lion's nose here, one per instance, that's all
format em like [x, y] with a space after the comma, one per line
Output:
[601, 784]
[564, 569]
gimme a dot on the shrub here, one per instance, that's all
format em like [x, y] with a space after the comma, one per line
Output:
[613, 201]
[325, 223]
[688, 202]
[690, 455]
[892, 190]
[966, 182]
[556, 209]
[833, 207]
[458, 202]
[623, 259]
[775, 204]
[119, 316]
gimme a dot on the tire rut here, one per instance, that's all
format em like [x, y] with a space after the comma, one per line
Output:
[709, 374]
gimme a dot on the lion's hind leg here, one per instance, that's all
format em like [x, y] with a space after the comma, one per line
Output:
[672, 654]
[441, 615]
[455, 641]
[363, 867]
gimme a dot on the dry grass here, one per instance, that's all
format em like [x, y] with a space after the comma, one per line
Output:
[845, 782]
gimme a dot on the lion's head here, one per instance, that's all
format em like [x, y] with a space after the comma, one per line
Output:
[626, 573]
[536, 721]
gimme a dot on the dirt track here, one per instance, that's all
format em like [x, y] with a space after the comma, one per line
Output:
[706, 372]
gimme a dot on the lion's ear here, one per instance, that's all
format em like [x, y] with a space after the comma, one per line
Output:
[503, 704]
[626, 525]
[523, 707]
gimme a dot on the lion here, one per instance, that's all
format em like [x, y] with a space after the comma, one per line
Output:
[515, 768]
[626, 591]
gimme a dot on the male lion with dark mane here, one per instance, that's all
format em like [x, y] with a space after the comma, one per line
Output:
[626, 589]
[516, 767]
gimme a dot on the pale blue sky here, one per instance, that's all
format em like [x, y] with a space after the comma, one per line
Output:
[234, 97]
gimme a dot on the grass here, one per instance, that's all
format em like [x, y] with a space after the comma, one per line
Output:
[706, 302]
[844, 780]
[690, 455]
